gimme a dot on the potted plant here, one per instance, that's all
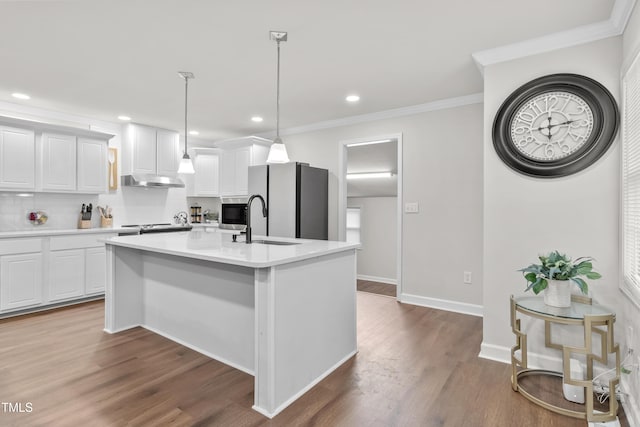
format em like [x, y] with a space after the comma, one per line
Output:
[554, 275]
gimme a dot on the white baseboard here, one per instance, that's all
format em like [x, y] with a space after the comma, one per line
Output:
[495, 352]
[378, 279]
[441, 304]
[630, 405]
[535, 360]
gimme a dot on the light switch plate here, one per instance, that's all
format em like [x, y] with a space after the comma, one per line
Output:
[411, 208]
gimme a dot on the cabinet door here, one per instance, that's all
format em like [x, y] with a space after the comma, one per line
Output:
[66, 274]
[227, 172]
[17, 158]
[144, 150]
[167, 150]
[92, 165]
[241, 177]
[58, 162]
[207, 180]
[95, 270]
[20, 281]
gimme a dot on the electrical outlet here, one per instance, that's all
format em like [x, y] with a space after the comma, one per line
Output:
[467, 277]
[411, 208]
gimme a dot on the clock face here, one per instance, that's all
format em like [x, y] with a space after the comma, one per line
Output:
[555, 125]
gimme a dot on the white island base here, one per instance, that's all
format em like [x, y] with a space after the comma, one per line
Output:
[286, 318]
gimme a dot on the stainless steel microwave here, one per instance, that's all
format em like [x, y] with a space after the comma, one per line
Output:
[233, 213]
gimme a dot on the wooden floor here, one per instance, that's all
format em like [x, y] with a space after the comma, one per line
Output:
[415, 367]
[377, 288]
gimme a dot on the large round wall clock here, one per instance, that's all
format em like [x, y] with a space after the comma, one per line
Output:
[555, 125]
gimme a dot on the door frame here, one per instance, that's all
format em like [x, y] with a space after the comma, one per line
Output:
[342, 196]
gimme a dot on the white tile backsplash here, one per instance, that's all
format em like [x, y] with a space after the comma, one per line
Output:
[63, 210]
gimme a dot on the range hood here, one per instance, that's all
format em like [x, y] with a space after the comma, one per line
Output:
[151, 181]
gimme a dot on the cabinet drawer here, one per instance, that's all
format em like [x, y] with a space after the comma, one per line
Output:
[20, 246]
[78, 242]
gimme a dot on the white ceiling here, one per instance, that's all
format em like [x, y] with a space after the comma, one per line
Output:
[105, 58]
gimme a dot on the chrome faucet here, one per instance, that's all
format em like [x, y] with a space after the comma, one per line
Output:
[264, 214]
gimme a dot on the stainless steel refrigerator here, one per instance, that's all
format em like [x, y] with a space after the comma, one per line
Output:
[297, 200]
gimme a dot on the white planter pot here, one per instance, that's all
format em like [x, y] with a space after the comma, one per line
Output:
[558, 293]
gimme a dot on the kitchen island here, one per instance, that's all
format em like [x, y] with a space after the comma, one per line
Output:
[285, 313]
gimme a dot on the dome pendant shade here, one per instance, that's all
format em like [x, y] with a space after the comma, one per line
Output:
[186, 165]
[278, 152]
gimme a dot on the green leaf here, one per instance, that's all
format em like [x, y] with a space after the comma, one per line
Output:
[581, 284]
[531, 277]
[584, 267]
[593, 275]
[540, 285]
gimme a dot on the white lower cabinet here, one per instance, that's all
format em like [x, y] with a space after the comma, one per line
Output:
[37, 272]
[95, 278]
[21, 281]
[66, 274]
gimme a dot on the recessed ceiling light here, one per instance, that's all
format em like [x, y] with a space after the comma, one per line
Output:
[20, 95]
[257, 119]
[194, 132]
[124, 118]
[352, 98]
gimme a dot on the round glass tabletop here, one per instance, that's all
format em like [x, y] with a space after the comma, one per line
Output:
[577, 310]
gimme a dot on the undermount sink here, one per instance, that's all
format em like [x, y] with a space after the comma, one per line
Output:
[274, 242]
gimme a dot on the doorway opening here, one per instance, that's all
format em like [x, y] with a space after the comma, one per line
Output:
[370, 209]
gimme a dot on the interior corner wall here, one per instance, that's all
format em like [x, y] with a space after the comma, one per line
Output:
[378, 235]
[525, 216]
[442, 172]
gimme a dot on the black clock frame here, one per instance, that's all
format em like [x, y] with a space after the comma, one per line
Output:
[606, 120]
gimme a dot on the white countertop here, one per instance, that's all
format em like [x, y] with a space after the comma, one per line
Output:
[43, 231]
[218, 247]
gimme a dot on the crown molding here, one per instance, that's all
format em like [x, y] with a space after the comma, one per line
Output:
[612, 27]
[476, 98]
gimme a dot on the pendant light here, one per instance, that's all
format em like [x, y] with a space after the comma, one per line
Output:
[186, 166]
[278, 152]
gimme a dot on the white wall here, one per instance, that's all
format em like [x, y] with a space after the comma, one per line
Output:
[525, 216]
[378, 218]
[442, 168]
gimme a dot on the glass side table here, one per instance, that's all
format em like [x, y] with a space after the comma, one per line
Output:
[596, 322]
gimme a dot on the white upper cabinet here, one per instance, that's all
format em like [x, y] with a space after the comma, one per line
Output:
[206, 181]
[234, 175]
[63, 159]
[167, 152]
[58, 162]
[92, 166]
[17, 158]
[144, 150]
[235, 162]
[148, 150]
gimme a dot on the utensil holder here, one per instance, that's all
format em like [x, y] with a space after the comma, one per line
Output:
[84, 223]
[106, 222]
